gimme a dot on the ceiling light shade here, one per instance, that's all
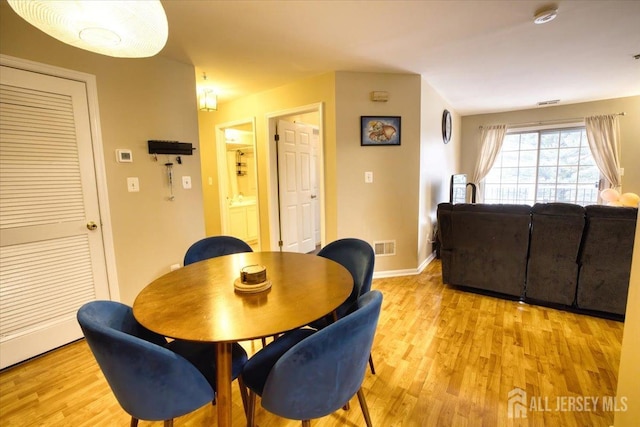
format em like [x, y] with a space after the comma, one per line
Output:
[123, 29]
[208, 101]
[545, 15]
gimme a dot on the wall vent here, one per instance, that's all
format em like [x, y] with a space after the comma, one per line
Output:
[384, 247]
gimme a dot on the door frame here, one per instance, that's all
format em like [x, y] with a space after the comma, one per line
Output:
[98, 155]
[272, 176]
[223, 173]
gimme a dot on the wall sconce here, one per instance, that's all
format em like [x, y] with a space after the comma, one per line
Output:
[123, 29]
[208, 100]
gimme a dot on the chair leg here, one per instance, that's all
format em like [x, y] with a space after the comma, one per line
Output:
[306, 423]
[243, 393]
[134, 422]
[168, 423]
[364, 407]
[264, 341]
[251, 409]
[373, 370]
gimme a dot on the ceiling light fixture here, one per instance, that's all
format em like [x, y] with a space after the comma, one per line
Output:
[123, 29]
[545, 15]
[207, 100]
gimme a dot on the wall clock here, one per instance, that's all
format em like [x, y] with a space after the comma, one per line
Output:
[446, 126]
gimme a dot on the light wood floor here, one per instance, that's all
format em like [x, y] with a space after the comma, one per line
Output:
[444, 357]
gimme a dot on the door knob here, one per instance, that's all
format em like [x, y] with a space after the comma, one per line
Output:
[92, 225]
[313, 196]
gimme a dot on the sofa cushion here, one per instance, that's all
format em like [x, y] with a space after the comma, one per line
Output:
[552, 270]
[605, 258]
[490, 246]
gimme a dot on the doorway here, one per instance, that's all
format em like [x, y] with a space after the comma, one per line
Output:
[237, 181]
[296, 179]
[56, 250]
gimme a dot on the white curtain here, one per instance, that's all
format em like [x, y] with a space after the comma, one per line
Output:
[603, 134]
[491, 139]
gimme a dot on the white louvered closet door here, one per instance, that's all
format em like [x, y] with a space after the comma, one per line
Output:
[51, 256]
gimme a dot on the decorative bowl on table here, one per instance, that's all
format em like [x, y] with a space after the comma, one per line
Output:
[253, 278]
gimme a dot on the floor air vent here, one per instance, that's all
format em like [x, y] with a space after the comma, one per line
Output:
[384, 247]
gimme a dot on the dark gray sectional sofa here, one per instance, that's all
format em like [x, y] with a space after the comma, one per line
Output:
[557, 254]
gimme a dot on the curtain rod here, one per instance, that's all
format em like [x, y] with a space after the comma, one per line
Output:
[557, 121]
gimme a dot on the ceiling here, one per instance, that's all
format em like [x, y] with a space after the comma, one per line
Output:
[480, 56]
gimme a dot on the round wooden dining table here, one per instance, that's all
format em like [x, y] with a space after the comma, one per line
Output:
[200, 303]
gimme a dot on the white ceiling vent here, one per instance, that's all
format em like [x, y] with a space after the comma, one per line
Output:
[384, 247]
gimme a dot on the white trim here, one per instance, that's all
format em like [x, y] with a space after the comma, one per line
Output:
[407, 272]
[223, 179]
[272, 178]
[98, 155]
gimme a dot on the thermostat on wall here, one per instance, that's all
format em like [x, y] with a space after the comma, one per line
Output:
[124, 156]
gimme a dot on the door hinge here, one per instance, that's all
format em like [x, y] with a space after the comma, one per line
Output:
[280, 243]
[277, 137]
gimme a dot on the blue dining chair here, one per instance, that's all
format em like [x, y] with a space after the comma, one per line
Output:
[308, 374]
[358, 257]
[215, 246]
[212, 247]
[150, 380]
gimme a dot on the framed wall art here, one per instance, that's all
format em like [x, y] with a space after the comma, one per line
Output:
[379, 130]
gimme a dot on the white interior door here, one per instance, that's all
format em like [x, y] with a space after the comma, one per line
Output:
[315, 184]
[52, 256]
[295, 168]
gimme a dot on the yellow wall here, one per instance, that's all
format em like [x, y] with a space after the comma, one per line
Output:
[629, 131]
[305, 92]
[408, 180]
[139, 99]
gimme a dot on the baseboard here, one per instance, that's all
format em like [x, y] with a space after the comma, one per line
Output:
[407, 272]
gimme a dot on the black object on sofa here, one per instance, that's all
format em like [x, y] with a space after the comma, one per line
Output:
[552, 270]
[605, 258]
[485, 246]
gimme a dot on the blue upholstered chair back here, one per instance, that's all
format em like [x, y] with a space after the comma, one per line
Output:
[358, 257]
[321, 373]
[149, 381]
[215, 246]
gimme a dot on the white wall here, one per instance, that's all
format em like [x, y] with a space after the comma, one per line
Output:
[629, 371]
[409, 180]
[438, 161]
[139, 99]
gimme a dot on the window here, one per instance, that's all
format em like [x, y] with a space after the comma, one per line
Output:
[553, 165]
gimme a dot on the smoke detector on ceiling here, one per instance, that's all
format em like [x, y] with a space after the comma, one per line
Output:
[549, 102]
[545, 15]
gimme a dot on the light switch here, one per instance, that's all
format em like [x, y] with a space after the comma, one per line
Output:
[133, 184]
[186, 182]
[368, 177]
